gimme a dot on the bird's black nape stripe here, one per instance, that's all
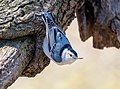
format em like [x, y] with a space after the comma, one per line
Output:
[74, 52]
[65, 46]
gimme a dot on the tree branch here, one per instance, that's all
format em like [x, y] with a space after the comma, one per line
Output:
[22, 32]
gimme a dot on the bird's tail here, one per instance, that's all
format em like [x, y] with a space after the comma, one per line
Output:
[48, 19]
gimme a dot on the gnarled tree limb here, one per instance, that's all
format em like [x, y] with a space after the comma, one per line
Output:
[22, 32]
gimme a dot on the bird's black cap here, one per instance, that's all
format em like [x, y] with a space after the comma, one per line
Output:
[74, 52]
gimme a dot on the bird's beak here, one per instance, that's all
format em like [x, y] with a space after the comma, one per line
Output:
[78, 58]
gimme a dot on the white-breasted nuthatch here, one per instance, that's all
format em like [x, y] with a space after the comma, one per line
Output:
[56, 45]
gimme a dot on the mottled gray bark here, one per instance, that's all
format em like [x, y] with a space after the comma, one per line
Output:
[22, 32]
[14, 57]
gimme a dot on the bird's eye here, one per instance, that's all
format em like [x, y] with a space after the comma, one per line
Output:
[71, 55]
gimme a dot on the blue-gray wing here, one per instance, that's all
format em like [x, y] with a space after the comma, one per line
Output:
[57, 41]
[51, 38]
[55, 36]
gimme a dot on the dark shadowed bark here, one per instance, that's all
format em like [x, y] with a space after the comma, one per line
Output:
[101, 20]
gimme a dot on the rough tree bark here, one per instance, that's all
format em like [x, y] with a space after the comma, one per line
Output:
[101, 20]
[22, 31]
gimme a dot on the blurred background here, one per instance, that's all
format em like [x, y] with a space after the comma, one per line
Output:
[100, 69]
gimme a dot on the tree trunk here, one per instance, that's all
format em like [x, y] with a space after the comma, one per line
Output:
[22, 32]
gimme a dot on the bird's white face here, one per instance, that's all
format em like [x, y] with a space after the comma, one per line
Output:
[68, 56]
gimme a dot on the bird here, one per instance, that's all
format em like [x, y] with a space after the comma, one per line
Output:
[56, 45]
